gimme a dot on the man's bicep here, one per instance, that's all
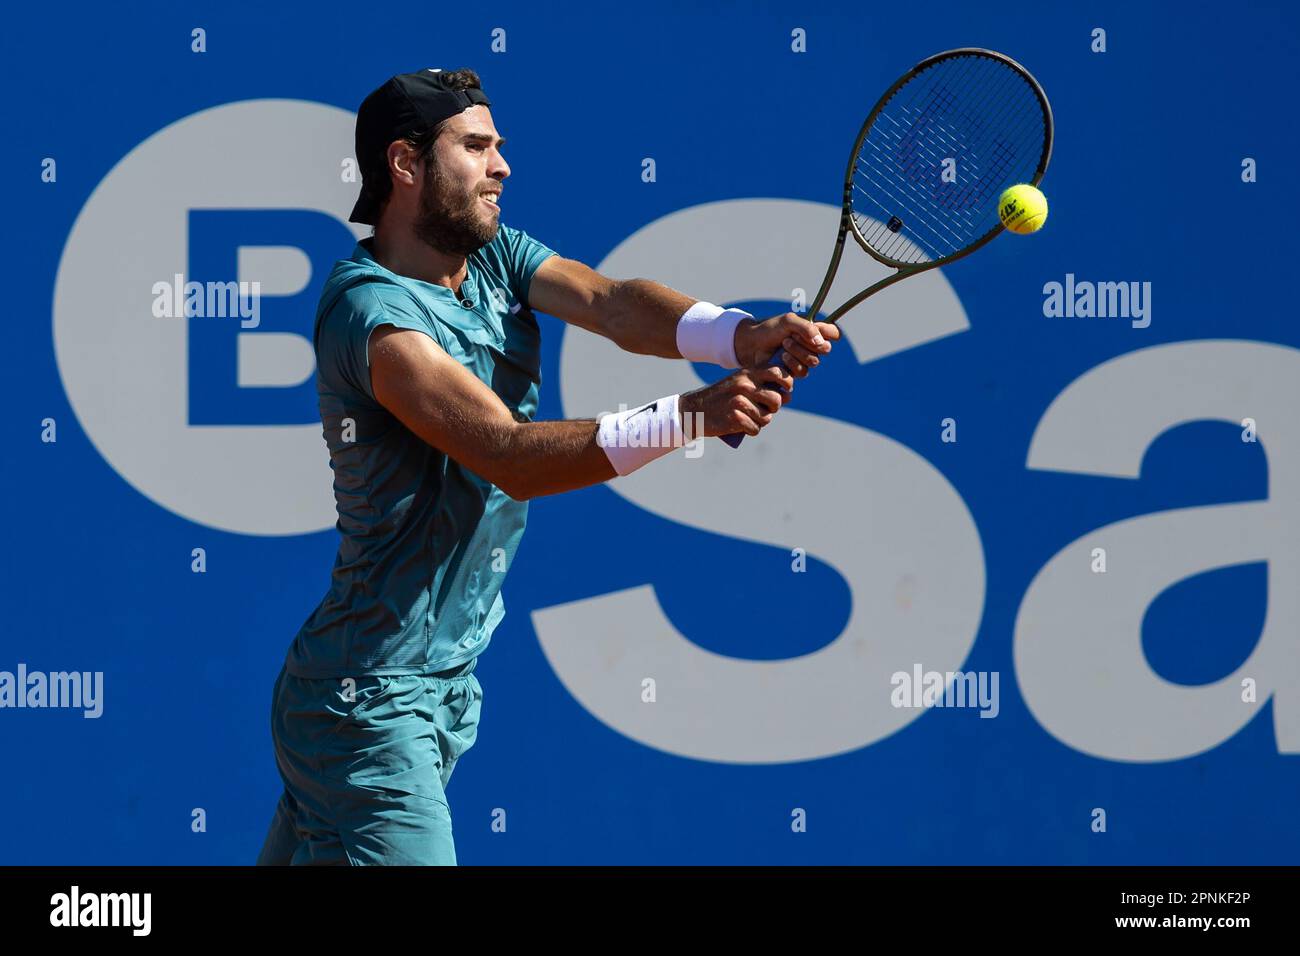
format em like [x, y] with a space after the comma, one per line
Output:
[572, 292]
[437, 398]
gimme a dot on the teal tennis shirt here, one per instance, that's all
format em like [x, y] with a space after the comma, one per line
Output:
[416, 585]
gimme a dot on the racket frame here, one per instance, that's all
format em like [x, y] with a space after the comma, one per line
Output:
[849, 224]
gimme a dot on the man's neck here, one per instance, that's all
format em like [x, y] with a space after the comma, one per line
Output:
[408, 256]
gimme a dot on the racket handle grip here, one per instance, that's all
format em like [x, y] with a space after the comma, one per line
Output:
[734, 440]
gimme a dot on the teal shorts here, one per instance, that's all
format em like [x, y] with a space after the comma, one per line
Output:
[366, 768]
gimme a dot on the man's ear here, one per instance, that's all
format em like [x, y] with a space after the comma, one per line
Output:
[401, 162]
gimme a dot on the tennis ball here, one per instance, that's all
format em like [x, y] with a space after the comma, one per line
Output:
[1022, 209]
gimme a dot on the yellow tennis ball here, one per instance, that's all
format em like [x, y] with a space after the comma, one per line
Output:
[1022, 209]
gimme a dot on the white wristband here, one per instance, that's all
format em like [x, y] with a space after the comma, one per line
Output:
[635, 438]
[707, 333]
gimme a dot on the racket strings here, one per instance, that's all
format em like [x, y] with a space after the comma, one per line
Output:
[924, 138]
[910, 203]
[1002, 155]
[920, 156]
[912, 149]
[945, 142]
[887, 199]
[969, 115]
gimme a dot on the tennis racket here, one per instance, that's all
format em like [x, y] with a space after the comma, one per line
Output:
[930, 162]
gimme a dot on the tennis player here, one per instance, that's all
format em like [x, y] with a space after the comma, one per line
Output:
[428, 358]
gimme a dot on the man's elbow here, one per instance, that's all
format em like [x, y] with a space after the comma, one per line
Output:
[516, 487]
[503, 465]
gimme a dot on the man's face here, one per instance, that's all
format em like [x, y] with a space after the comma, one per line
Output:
[454, 216]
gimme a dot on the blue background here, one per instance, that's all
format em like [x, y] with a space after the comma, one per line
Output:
[1144, 184]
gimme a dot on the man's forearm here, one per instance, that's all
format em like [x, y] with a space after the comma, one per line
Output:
[642, 316]
[528, 459]
[546, 458]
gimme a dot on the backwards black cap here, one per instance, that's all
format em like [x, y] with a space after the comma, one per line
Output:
[407, 104]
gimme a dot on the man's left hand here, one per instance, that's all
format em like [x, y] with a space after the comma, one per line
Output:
[803, 342]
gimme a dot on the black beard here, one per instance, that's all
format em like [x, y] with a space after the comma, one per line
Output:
[450, 220]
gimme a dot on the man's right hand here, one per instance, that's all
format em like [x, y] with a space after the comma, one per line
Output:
[739, 404]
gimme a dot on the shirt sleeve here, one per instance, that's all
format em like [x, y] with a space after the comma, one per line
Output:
[343, 349]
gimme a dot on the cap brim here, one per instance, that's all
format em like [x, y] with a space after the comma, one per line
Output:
[365, 211]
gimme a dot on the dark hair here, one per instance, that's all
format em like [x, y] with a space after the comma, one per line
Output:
[422, 142]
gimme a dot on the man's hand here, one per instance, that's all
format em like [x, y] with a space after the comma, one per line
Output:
[739, 403]
[804, 342]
